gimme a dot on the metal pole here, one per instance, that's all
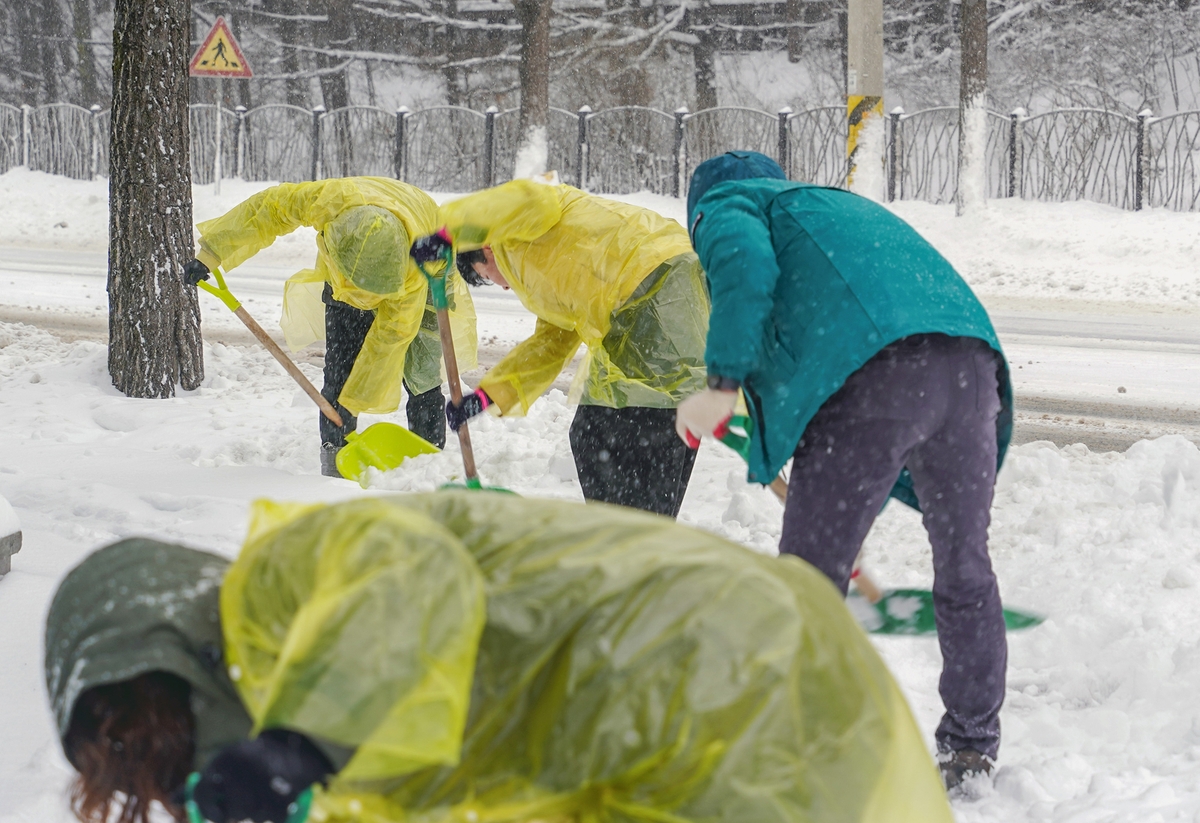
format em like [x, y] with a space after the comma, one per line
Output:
[894, 152]
[316, 142]
[95, 160]
[240, 168]
[864, 74]
[581, 148]
[1014, 146]
[785, 154]
[489, 146]
[217, 157]
[25, 137]
[401, 136]
[1139, 177]
[680, 162]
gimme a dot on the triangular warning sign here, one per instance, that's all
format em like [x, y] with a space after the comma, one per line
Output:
[219, 55]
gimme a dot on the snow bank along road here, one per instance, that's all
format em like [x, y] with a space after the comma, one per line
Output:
[1102, 374]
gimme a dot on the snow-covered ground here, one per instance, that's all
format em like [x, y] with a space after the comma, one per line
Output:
[1102, 718]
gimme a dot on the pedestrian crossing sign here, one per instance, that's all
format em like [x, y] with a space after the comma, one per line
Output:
[219, 55]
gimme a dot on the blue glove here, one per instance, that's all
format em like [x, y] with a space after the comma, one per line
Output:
[259, 779]
[471, 405]
[432, 247]
[194, 272]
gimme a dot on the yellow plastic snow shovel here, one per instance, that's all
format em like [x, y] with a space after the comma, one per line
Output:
[383, 446]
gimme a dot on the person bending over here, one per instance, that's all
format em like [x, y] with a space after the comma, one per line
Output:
[467, 655]
[365, 297]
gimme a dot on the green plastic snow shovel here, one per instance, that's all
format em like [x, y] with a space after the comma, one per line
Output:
[879, 611]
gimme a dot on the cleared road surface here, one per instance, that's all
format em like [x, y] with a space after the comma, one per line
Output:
[1102, 378]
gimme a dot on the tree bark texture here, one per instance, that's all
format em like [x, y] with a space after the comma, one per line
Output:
[534, 71]
[85, 59]
[972, 98]
[153, 318]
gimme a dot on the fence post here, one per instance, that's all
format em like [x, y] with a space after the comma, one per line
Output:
[489, 146]
[1014, 148]
[680, 163]
[581, 149]
[240, 142]
[1139, 175]
[25, 136]
[785, 155]
[401, 136]
[94, 168]
[894, 152]
[317, 112]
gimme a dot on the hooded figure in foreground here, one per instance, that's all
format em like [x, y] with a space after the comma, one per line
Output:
[863, 354]
[365, 298]
[467, 656]
[620, 279]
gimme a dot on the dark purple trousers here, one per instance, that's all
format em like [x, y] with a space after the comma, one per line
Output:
[928, 403]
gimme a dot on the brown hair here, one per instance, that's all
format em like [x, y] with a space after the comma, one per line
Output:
[136, 737]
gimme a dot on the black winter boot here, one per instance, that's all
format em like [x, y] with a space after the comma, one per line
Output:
[329, 453]
[963, 764]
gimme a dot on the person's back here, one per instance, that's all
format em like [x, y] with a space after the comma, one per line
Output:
[480, 652]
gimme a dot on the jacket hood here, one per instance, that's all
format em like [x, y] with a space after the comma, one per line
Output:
[138, 606]
[732, 165]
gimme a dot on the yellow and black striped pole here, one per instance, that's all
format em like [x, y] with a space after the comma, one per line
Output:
[864, 74]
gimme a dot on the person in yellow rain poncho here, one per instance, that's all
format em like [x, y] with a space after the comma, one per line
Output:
[620, 279]
[473, 657]
[365, 297]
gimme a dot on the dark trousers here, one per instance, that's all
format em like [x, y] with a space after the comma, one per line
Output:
[631, 457]
[345, 330]
[928, 403]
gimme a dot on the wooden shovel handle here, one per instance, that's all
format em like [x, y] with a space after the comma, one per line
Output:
[327, 409]
[464, 434]
[864, 583]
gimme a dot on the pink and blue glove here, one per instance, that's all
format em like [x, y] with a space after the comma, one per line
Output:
[473, 404]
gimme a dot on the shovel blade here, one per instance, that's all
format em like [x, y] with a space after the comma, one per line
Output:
[910, 612]
[383, 446]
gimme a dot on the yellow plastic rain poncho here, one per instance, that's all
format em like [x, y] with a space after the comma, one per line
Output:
[365, 226]
[492, 658]
[621, 279]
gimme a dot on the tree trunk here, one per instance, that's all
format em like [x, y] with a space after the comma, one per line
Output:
[153, 318]
[85, 59]
[338, 33]
[534, 75]
[290, 33]
[704, 62]
[972, 108]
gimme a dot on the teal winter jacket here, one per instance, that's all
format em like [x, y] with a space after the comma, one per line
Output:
[808, 283]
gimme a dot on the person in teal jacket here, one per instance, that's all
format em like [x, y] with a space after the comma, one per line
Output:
[865, 356]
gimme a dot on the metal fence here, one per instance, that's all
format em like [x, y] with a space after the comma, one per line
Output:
[1065, 154]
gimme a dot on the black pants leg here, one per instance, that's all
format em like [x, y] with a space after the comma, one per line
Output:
[427, 415]
[631, 457]
[345, 330]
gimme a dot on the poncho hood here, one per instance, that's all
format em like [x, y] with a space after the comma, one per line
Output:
[138, 606]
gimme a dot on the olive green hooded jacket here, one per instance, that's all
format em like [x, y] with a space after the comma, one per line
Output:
[490, 658]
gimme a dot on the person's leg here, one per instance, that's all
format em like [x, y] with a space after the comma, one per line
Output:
[849, 457]
[631, 457]
[345, 330]
[954, 473]
[427, 415]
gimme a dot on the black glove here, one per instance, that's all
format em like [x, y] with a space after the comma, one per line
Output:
[471, 405]
[194, 272]
[432, 247]
[258, 779]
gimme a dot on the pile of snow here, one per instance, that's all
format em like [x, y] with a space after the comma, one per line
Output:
[1101, 718]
